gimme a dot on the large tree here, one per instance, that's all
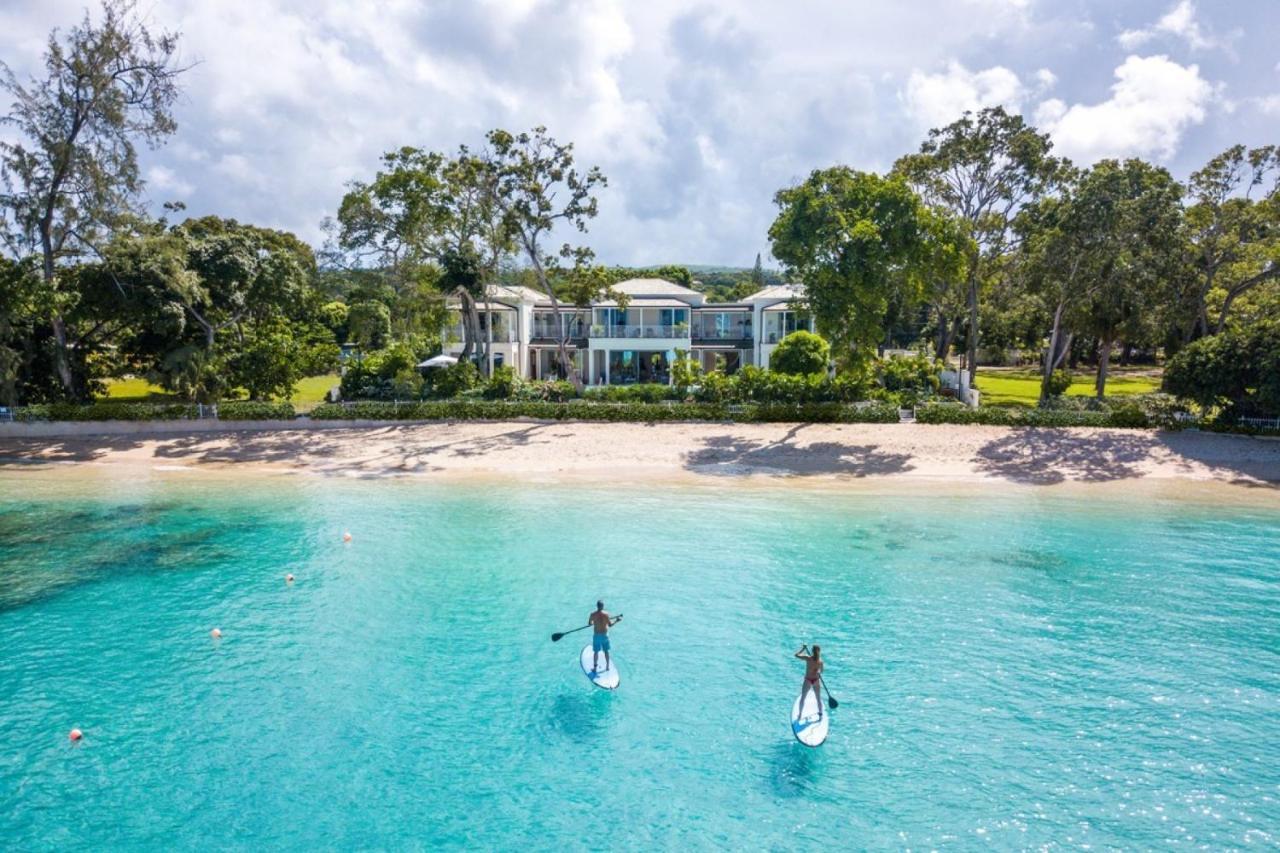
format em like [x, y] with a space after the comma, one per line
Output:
[428, 219]
[852, 238]
[1234, 224]
[215, 304]
[1100, 254]
[72, 175]
[533, 181]
[982, 168]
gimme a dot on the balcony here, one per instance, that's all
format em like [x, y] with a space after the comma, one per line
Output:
[549, 330]
[710, 332]
[656, 332]
[501, 335]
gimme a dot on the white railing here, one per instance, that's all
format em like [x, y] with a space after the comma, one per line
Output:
[711, 333]
[639, 331]
[551, 330]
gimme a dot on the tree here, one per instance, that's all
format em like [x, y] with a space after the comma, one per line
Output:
[20, 316]
[1099, 254]
[534, 184]
[203, 293]
[369, 324]
[853, 238]
[1234, 238]
[757, 273]
[1140, 253]
[426, 220]
[982, 168]
[801, 353]
[73, 175]
[1239, 369]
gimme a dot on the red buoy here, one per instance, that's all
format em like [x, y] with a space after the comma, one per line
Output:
[76, 734]
[216, 633]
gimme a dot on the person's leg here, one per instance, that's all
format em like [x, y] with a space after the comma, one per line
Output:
[607, 663]
[595, 655]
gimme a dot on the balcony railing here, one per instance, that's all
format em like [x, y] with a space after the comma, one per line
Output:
[640, 331]
[551, 330]
[454, 334]
[711, 333]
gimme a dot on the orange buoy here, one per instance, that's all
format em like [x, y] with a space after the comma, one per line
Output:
[288, 578]
[76, 734]
[346, 537]
[216, 633]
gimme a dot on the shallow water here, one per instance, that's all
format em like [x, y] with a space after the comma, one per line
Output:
[1012, 671]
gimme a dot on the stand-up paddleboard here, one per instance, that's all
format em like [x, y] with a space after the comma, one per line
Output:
[606, 678]
[805, 724]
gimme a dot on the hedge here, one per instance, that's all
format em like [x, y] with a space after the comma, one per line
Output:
[1127, 417]
[463, 410]
[248, 410]
[108, 411]
[235, 410]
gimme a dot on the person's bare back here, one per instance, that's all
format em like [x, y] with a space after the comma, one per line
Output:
[599, 621]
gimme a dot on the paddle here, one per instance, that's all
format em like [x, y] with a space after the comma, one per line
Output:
[831, 700]
[555, 638]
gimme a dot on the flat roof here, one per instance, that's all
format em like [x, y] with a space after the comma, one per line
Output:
[645, 302]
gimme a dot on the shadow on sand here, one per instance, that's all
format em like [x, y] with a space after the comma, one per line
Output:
[731, 455]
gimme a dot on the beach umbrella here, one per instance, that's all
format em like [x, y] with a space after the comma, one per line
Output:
[439, 361]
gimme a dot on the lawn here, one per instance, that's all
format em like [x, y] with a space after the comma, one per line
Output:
[1002, 386]
[306, 395]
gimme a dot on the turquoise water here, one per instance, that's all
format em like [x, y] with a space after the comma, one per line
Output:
[1012, 672]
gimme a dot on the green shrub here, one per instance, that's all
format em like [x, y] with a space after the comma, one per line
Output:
[503, 383]
[912, 373]
[451, 381]
[587, 411]
[108, 411]
[642, 393]
[552, 390]
[801, 353]
[1059, 382]
[244, 410]
[1128, 417]
[685, 373]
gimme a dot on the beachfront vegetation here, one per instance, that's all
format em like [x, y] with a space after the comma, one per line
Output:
[800, 354]
[981, 247]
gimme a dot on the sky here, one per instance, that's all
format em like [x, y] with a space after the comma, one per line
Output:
[697, 114]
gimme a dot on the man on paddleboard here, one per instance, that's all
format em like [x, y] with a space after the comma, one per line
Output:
[601, 622]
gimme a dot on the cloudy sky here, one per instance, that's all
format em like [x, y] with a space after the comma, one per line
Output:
[696, 113]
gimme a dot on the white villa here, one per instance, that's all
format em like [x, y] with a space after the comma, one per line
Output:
[615, 346]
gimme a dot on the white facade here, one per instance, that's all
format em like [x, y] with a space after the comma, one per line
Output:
[639, 343]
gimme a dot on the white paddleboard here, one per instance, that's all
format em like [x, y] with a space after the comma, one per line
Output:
[606, 678]
[805, 725]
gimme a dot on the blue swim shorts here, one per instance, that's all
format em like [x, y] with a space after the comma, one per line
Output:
[600, 642]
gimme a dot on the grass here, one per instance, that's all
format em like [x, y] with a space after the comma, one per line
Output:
[1003, 386]
[307, 394]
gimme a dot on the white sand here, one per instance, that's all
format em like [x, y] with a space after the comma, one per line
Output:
[825, 453]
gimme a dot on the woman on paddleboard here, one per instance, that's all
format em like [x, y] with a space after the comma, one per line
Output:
[812, 672]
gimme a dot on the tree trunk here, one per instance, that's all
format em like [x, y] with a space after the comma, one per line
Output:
[470, 325]
[972, 357]
[1104, 361]
[1126, 353]
[1051, 356]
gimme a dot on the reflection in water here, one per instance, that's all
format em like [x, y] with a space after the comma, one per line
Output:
[794, 769]
[580, 716]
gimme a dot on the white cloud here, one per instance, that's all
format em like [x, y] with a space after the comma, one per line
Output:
[1153, 102]
[165, 180]
[1268, 105]
[697, 113]
[1179, 22]
[935, 100]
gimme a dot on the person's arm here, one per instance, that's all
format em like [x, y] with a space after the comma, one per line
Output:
[800, 654]
[615, 620]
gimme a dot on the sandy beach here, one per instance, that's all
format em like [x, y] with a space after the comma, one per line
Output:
[820, 452]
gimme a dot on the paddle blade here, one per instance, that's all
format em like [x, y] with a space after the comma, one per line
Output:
[831, 702]
[555, 638]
